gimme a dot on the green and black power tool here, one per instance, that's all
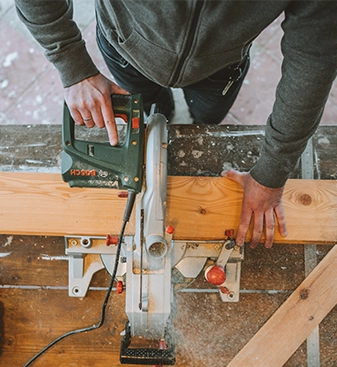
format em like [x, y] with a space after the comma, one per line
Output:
[98, 164]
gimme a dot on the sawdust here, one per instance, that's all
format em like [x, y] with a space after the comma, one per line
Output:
[9, 241]
[323, 141]
[197, 153]
[200, 330]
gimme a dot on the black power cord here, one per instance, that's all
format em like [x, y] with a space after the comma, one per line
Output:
[126, 217]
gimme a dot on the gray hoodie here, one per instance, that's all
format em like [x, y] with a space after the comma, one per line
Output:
[179, 42]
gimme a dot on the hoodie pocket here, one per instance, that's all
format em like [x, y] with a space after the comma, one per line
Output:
[109, 51]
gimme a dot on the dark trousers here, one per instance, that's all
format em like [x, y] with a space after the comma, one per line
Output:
[205, 99]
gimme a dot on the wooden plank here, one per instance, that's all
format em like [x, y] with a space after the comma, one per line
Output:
[291, 324]
[205, 207]
[43, 204]
[198, 207]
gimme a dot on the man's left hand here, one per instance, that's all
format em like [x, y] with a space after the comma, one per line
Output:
[261, 202]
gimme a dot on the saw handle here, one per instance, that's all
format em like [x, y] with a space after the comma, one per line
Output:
[121, 165]
[122, 107]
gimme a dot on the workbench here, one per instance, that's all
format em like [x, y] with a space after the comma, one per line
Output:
[193, 150]
[34, 304]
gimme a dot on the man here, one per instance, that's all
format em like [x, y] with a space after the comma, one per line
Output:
[202, 47]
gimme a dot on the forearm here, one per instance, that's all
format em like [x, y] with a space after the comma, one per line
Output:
[309, 68]
[51, 24]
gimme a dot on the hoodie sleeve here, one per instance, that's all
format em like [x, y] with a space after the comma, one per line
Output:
[309, 47]
[51, 24]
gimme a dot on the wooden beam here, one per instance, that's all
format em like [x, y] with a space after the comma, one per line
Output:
[290, 325]
[198, 207]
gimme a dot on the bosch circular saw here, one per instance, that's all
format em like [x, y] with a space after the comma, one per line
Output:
[148, 253]
[146, 261]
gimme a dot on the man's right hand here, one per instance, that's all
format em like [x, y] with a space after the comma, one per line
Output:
[89, 103]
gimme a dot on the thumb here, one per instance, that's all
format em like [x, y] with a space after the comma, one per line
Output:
[116, 89]
[234, 175]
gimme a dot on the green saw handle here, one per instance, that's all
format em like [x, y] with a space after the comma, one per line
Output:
[98, 164]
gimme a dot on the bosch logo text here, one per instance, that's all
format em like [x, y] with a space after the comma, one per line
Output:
[83, 172]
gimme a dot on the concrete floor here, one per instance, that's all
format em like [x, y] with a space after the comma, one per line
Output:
[31, 93]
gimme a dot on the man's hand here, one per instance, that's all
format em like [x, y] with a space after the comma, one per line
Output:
[89, 102]
[262, 202]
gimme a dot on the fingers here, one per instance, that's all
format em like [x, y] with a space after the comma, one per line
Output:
[89, 122]
[101, 117]
[104, 117]
[264, 203]
[111, 128]
[89, 102]
[263, 222]
[257, 230]
[109, 117]
[266, 223]
[116, 89]
[270, 224]
[246, 216]
[269, 228]
[88, 116]
[246, 212]
[77, 117]
[281, 220]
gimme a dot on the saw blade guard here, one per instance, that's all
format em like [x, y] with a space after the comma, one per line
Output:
[148, 303]
[98, 164]
[148, 275]
[153, 201]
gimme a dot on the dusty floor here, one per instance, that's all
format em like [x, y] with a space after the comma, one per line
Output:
[35, 309]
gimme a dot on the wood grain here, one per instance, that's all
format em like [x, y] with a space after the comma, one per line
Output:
[291, 324]
[199, 208]
[35, 203]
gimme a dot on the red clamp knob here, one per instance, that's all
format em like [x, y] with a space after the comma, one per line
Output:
[229, 233]
[169, 229]
[215, 275]
[111, 240]
[119, 287]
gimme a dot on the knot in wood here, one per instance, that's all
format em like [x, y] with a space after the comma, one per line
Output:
[203, 211]
[305, 199]
[9, 342]
[304, 294]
